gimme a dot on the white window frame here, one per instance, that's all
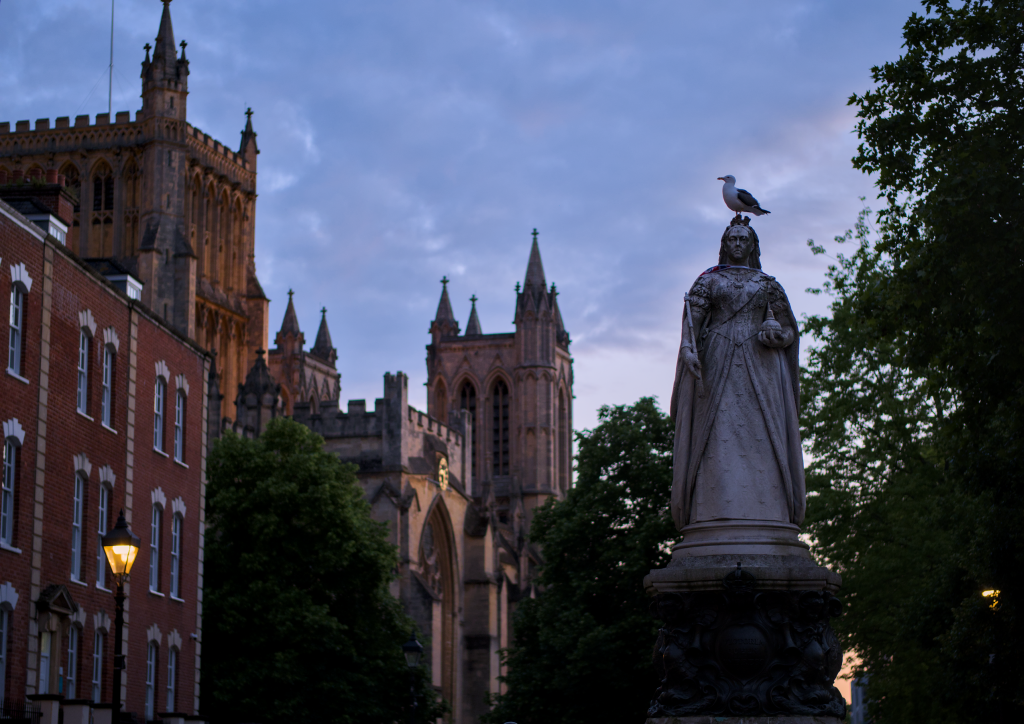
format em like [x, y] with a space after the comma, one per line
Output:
[10, 468]
[107, 400]
[45, 644]
[152, 652]
[156, 523]
[159, 403]
[71, 670]
[84, 341]
[98, 641]
[17, 322]
[176, 525]
[180, 400]
[172, 677]
[103, 521]
[76, 527]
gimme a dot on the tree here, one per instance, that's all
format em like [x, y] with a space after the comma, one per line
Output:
[582, 648]
[916, 398]
[298, 621]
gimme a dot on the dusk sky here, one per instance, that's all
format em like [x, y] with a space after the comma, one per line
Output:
[405, 140]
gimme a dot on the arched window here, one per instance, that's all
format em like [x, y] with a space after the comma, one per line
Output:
[101, 233]
[132, 202]
[78, 507]
[159, 405]
[152, 657]
[441, 401]
[179, 425]
[107, 397]
[17, 329]
[99, 640]
[176, 526]
[172, 678]
[84, 340]
[12, 446]
[224, 241]
[500, 428]
[155, 526]
[71, 667]
[102, 526]
[467, 401]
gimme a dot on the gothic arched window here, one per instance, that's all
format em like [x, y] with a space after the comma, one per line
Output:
[132, 197]
[500, 428]
[441, 402]
[564, 463]
[467, 401]
[101, 233]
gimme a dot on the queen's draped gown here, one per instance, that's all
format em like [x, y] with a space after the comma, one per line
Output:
[737, 446]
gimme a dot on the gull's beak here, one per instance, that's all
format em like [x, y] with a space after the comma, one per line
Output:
[721, 179]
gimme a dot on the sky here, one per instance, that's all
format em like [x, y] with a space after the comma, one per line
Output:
[406, 140]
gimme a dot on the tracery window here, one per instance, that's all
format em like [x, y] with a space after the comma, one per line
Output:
[101, 234]
[500, 428]
[467, 401]
[132, 202]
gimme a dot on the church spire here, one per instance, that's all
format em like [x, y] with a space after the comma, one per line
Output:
[165, 54]
[444, 321]
[248, 148]
[534, 268]
[473, 325]
[290, 338]
[290, 324]
[323, 348]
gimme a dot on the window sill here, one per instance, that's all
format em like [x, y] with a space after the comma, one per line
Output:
[108, 428]
[85, 416]
[179, 462]
[101, 588]
[80, 583]
[11, 549]
[158, 451]
[179, 600]
[155, 593]
[16, 376]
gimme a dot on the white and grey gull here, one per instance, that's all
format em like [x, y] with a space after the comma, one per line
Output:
[739, 200]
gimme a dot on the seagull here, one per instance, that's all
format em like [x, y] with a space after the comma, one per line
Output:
[739, 200]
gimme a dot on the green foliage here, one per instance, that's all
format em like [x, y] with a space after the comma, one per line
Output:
[582, 649]
[298, 621]
[914, 402]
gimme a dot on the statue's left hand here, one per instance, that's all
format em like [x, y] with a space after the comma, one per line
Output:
[776, 339]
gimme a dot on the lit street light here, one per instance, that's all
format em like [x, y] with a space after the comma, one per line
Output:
[121, 546]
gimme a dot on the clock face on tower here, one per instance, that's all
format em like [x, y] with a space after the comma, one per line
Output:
[442, 471]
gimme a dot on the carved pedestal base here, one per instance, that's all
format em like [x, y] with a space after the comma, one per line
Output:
[740, 649]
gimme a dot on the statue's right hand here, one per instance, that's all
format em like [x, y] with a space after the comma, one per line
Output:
[692, 362]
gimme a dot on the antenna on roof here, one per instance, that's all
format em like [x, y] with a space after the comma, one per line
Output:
[110, 78]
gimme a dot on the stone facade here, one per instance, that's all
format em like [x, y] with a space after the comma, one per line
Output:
[171, 205]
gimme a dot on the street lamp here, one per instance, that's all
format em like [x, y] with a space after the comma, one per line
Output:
[121, 546]
[413, 650]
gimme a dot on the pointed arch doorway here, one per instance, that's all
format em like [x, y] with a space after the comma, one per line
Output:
[437, 560]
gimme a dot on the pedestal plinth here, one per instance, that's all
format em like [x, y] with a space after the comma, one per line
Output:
[745, 635]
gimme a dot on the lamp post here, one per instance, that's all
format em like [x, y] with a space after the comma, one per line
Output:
[120, 546]
[413, 650]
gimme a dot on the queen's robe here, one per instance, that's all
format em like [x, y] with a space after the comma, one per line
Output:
[737, 437]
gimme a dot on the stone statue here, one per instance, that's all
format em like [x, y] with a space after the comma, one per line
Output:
[745, 612]
[736, 393]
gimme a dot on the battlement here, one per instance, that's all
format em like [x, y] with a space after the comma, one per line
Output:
[213, 144]
[358, 422]
[63, 122]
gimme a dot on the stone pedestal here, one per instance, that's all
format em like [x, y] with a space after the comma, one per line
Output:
[745, 629]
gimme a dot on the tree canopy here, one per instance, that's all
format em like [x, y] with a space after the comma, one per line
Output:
[913, 400]
[298, 622]
[582, 649]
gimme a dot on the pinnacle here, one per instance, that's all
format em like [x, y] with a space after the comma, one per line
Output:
[323, 348]
[473, 325]
[535, 268]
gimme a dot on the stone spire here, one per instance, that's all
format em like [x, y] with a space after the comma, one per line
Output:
[248, 148]
[534, 268]
[444, 324]
[165, 54]
[290, 338]
[323, 348]
[473, 325]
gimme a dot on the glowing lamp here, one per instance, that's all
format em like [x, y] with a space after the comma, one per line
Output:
[413, 650]
[121, 547]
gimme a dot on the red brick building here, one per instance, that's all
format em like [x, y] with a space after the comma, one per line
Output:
[103, 406]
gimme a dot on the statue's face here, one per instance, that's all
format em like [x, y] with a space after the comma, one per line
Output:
[738, 245]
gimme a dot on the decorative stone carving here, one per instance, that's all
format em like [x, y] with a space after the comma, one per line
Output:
[739, 651]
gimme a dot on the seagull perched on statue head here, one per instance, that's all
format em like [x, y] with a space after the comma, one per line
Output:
[739, 200]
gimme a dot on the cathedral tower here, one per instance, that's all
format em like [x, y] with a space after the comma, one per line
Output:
[164, 201]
